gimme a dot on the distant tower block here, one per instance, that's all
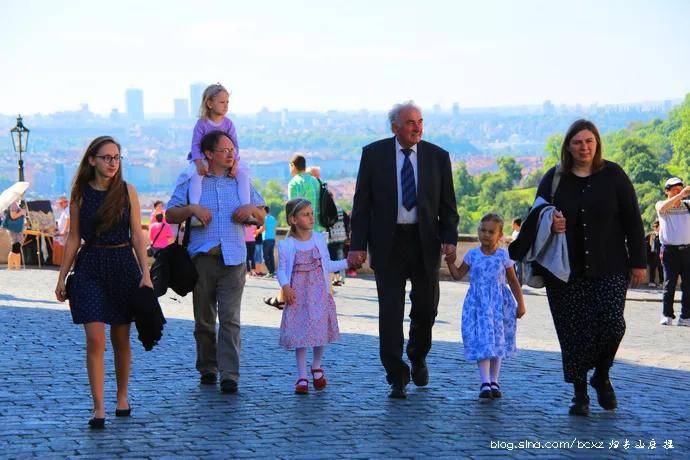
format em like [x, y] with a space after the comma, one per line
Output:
[134, 103]
[181, 108]
[196, 90]
[548, 108]
[456, 110]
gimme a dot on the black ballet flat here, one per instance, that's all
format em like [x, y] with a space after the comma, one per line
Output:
[579, 405]
[98, 423]
[123, 412]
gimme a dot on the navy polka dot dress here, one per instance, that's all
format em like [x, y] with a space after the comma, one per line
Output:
[104, 278]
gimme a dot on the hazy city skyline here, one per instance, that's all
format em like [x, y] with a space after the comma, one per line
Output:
[320, 56]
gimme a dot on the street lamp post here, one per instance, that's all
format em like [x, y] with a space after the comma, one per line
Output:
[20, 140]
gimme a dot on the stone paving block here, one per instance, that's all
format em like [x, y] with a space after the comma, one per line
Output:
[45, 402]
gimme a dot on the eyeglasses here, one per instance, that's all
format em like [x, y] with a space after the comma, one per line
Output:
[225, 151]
[109, 158]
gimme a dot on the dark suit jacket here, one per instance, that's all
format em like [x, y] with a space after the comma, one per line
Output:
[375, 207]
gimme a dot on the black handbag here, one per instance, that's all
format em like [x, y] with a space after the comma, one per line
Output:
[150, 251]
[174, 268]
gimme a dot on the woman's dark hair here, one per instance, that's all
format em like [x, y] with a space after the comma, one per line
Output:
[112, 210]
[567, 158]
[517, 222]
[157, 202]
[211, 139]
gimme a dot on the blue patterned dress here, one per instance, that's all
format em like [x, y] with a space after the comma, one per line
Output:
[488, 314]
[104, 278]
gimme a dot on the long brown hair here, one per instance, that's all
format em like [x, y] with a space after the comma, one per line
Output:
[112, 209]
[567, 158]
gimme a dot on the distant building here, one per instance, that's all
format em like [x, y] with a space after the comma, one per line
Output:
[548, 108]
[115, 114]
[196, 90]
[134, 103]
[181, 108]
[456, 110]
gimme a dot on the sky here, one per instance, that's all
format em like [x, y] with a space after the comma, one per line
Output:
[342, 55]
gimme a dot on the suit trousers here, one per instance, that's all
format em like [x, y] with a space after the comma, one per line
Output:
[406, 261]
[218, 292]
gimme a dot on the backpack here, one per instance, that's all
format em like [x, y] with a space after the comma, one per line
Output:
[328, 213]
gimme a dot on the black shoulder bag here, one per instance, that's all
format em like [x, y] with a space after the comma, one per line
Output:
[173, 267]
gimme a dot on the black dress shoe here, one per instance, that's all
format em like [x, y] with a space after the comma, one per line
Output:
[97, 423]
[123, 412]
[605, 394]
[398, 392]
[580, 405]
[420, 373]
[228, 386]
[209, 378]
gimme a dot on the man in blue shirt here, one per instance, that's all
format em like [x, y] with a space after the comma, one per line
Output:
[218, 251]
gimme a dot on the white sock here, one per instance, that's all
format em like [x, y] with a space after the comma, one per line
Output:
[301, 355]
[495, 369]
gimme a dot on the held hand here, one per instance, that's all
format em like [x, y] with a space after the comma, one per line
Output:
[521, 310]
[558, 225]
[201, 168]
[201, 213]
[450, 258]
[637, 276]
[60, 291]
[356, 258]
[248, 210]
[232, 172]
[447, 249]
[288, 295]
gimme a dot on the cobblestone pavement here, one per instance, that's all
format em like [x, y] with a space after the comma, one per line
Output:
[45, 402]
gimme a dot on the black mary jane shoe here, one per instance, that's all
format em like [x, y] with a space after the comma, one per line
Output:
[579, 405]
[485, 393]
[606, 397]
[124, 412]
[97, 423]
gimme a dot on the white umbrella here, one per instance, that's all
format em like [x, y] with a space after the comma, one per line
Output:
[12, 195]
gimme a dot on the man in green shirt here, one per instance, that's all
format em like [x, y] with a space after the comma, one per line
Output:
[304, 185]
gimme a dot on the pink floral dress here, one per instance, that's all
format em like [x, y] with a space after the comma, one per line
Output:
[311, 321]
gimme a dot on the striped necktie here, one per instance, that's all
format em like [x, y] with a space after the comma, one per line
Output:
[409, 191]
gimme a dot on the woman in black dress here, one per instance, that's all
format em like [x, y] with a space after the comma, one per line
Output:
[108, 249]
[598, 211]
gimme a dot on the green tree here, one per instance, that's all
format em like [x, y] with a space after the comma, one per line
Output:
[510, 169]
[464, 183]
[640, 163]
[553, 151]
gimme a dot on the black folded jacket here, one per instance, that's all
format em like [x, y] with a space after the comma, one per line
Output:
[148, 316]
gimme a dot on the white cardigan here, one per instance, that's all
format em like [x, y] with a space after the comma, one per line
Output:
[286, 259]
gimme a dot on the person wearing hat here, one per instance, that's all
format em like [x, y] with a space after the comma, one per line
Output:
[62, 229]
[674, 234]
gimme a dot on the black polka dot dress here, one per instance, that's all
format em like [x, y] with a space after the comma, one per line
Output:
[104, 278]
[588, 315]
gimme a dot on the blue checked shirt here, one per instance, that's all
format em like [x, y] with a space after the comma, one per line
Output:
[219, 196]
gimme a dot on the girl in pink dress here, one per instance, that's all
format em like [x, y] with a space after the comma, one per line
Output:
[309, 318]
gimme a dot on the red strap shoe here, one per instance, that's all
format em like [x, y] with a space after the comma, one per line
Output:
[321, 382]
[302, 387]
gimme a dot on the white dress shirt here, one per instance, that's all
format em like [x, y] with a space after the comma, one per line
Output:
[405, 216]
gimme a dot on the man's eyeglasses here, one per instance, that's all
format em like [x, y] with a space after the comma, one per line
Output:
[225, 151]
[110, 158]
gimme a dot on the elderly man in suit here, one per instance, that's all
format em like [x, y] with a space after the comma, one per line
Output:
[404, 214]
